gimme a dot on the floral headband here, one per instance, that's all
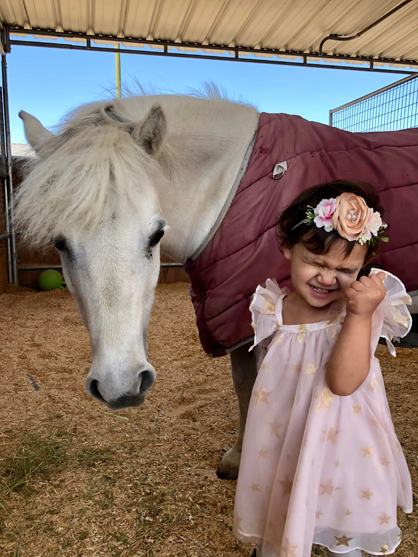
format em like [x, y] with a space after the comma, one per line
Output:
[348, 215]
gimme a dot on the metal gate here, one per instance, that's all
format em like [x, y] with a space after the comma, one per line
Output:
[391, 108]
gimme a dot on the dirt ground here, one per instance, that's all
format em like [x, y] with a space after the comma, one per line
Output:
[79, 480]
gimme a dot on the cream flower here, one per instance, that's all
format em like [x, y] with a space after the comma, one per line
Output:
[374, 222]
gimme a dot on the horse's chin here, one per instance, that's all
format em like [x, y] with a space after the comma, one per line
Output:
[126, 401]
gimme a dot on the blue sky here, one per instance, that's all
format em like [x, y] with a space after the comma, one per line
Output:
[48, 82]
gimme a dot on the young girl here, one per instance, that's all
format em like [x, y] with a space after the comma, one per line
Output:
[321, 462]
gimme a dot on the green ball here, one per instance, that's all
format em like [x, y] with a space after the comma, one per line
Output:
[51, 279]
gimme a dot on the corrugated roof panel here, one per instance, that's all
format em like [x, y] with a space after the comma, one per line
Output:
[283, 25]
[139, 18]
[171, 18]
[388, 41]
[14, 12]
[383, 36]
[259, 22]
[326, 16]
[107, 16]
[240, 13]
[276, 22]
[74, 15]
[204, 21]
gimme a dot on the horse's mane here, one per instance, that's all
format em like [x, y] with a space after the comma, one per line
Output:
[73, 184]
[92, 164]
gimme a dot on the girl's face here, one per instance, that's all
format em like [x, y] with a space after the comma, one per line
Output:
[323, 279]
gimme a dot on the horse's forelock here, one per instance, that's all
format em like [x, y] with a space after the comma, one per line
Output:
[82, 173]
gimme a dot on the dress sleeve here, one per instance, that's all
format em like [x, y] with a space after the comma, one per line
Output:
[264, 310]
[397, 320]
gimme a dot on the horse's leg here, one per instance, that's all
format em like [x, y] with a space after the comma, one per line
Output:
[244, 372]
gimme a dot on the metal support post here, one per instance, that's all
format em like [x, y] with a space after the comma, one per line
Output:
[118, 73]
[11, 240]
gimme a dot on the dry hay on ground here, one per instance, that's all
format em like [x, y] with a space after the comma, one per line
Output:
[79, 480]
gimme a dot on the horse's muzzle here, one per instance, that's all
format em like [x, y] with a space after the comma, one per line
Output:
[134, 397]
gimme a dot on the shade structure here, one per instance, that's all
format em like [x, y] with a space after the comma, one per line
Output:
[264, 28]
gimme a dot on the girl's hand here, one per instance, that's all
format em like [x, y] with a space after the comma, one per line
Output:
[364, 295]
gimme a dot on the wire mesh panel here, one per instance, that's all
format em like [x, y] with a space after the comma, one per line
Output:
[392, 108]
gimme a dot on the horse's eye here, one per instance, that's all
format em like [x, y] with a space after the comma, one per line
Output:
[155, 238]
[61, 244]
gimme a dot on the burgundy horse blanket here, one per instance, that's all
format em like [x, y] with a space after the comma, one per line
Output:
[244, 252]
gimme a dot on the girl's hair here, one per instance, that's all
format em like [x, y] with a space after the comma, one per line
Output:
[315, 239]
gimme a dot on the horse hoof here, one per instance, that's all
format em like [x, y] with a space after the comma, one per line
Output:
[229, 465]
[226, 474]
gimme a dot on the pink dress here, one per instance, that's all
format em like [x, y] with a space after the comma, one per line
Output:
[317, 467]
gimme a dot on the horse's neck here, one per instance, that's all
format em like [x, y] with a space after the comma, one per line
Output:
[204, 151]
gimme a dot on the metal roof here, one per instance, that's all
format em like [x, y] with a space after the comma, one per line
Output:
[275, 29]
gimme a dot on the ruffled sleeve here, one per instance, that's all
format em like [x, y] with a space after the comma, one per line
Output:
[264, 310]
[397, 320]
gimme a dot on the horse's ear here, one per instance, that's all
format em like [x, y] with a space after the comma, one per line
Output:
[35, 133]
[151, 131]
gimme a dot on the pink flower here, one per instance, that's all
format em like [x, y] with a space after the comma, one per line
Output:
[323, 214]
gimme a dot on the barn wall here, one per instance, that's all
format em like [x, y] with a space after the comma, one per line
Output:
[31, 257]
[3, 243]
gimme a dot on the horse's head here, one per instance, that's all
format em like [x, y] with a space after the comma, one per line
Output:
[92, 193]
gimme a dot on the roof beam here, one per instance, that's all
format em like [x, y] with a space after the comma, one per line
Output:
[238, 52]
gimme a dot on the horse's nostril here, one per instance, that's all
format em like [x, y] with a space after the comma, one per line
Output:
[93, 389]
[146, 379]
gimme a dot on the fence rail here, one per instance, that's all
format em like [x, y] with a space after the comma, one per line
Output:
[391, 108]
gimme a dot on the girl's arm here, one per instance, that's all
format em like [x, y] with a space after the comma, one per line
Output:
[349, 362]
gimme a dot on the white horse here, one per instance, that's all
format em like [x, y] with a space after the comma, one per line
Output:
[119, 182]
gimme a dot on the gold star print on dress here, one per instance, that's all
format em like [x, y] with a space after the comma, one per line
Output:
[384, 519]
[343, 540]
[400, 318]
[334, 333]
[366, 494]
[310, 369]
[373, 385]
[332, 463]
[275, 427]
[302, 332]
[262, 453]
[331, 434]
[255, 487]
[324, 399]
[265, 366]
[268, 306]
[357, 409]
[367, 451]
[262, 396]
[327, 489]
[289, 550]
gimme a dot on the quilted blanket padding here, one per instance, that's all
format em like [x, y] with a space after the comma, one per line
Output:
[244, 251]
